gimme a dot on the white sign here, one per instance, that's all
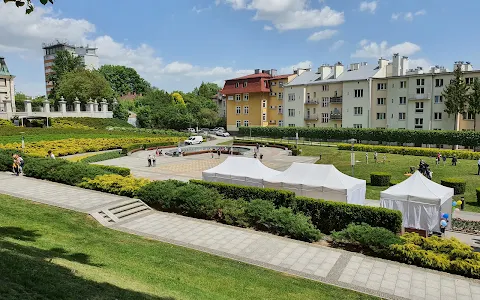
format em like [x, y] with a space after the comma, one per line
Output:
[352, 158]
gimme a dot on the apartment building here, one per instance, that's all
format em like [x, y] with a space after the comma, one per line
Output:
[220, 101]
[88, 55]
[7, 91]
[255, 99]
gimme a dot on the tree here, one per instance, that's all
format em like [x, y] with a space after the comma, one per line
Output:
[19, 100]
[124, 80]
[84, 85]
[121, 111]
[178, 99]
[63, 63]
[455, 96]
[208, 90]
[30, 7]
[473, 101]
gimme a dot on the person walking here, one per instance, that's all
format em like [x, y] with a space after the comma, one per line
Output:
[50, 154]
[219, 152]
[478, 165]
[444, 158]
[20, 163]
[366, 157]
[439, 157]
[149, 160]
[375, 156]
[154, 160]
[384, 158]
[454, 160]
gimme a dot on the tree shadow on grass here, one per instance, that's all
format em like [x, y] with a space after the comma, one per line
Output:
[27, 273]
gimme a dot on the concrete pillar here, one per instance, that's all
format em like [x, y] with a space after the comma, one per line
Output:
[90, 105]
[104, 105]
[46, 106]
[7, 102]
[63, 105]
[76, 103]
[115, 103]
[28, 107]
[95, 106]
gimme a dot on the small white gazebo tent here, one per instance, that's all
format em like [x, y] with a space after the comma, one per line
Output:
[321, 182]
[421, 201]
[240, 170]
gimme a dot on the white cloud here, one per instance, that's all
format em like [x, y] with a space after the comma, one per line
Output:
[267, 28]
[395, 16]
[421, 12]
[420, 62]
[289, 14]
[409, 16]
[22, 36]
[368, 6]
[289, 70]
[337, 45]
[368, 49]
[199, 10]
[322, 35]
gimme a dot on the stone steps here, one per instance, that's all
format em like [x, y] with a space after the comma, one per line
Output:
[120, 211]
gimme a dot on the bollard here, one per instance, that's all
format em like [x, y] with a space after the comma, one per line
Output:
[463, 203]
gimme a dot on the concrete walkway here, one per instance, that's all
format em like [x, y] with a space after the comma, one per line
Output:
[354, 271]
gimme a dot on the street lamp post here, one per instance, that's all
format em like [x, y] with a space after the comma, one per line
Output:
[23, 141]
[352, 156]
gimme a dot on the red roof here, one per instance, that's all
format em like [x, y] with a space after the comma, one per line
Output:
[285, 76]
[256, 83]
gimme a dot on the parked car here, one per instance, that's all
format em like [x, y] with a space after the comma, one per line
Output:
[191, 130]
[218, 129]
[204, 130]
[223, 133]
[194, 140]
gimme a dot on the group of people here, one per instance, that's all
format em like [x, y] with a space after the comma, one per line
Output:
[256, 152]
[375, 157]
[152, 159]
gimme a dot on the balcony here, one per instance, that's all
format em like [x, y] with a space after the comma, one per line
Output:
[424, 96]
[335, 116]
[311, 117]
[280, 112]
[336, 99]
[272, 122]
[311, 102]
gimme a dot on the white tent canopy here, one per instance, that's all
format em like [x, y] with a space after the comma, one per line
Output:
[240, 170]
[319, 181]
[421, 201]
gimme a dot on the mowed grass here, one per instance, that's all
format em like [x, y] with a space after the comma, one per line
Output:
[51, 253]
[398, 165]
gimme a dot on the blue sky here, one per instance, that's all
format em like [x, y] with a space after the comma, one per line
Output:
[177, 44]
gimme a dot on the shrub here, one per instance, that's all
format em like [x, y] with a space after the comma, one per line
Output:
[377, 239]
[115, 184]
[6, 123]
[380, 178]
[478, 195]
[93, 123]
[160, 194]
[233, 212]
[101, 157]
[291, 147]
[197, 201]
[116, 170]
[457, 184]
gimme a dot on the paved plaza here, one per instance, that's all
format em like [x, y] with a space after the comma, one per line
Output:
[374, 276]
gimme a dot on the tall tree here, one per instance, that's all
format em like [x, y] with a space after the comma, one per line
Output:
[208, 90]
[455, 96]
[474, 101]
[63, 63]
[30, 7]
[84, 84]
[124, 80]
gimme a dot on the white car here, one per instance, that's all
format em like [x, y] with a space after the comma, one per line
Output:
[194, 140]
[223, 133]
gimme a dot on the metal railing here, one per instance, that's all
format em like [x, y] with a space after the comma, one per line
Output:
[335, 116]
[311, 101]
[311, 117]
[424, 96]
[336, 99]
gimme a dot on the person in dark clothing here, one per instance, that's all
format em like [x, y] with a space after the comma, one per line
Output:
[219, 153]
[454, 160]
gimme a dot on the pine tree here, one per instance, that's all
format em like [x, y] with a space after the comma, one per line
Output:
[456, 96]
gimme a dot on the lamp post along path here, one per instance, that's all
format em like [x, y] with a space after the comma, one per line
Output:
[352, 156]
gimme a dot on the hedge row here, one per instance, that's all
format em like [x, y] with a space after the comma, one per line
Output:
[97, 123]
[101, 157]
[458, 185]
[135, 147]
[465, 138]
[327, 216]
[291, 147]
[380, 178]
[429, 152]
[115, 184]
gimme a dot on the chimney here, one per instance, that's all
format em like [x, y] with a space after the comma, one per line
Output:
[257, 71]
[273, 72]
[404, 65]
[299, 71]
[396, 68]
[337, 70]
[265, 71]
[382, 63]
[324, 71]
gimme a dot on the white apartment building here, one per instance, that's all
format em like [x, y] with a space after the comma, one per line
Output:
[7, 91]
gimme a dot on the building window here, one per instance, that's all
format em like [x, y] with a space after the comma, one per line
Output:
[358, 126]
[314, 95]
[438, 99]
[420, 81]
[264, 117]
[401, 116]
[357, 111]
[280, 96]
[230, 98]
[359, 93]
[468, 116]
[238, 110]
[403, 100]
[437, 116]
[403, 84]
[381, 86]
[245, 97]
[418, 123]
[325, 88]
[291, 112]
[280, 110]
[3, 82]
[420, 90]
[291, 125]
[238, 97]
[469, 80]
[244, 84]
[438, 82]
[291, 97]
[381, 116]
[245, 123]
[380, 101]
[308, 96]
[325, 117]
[236, 85]
[325, 101]
[239, 123]
[264, 103]
[419, 107]
[280, 123]
[245, 110]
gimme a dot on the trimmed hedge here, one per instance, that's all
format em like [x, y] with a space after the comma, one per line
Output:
[429, 152]
[464, 138]
[458, 185]
[115, 184]
[380, 178]
[101, 157]
[96, 123]
[291, 147]
[116, 170]
[478, 195]
[327, 216]
[136, 147]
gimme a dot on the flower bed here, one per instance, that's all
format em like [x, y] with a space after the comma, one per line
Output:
[467, 226]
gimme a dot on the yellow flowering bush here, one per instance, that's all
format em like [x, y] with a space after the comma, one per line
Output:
[67, 123]
[6, 123]
[115, 184]
[74, 146]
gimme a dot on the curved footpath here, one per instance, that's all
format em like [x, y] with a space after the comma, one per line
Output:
[354, 271]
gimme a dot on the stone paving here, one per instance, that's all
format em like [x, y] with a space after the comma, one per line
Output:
[374, 276]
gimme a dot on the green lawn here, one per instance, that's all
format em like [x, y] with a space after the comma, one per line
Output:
[398, 165]
[51, 253]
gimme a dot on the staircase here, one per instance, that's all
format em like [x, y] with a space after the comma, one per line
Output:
[120, 211]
